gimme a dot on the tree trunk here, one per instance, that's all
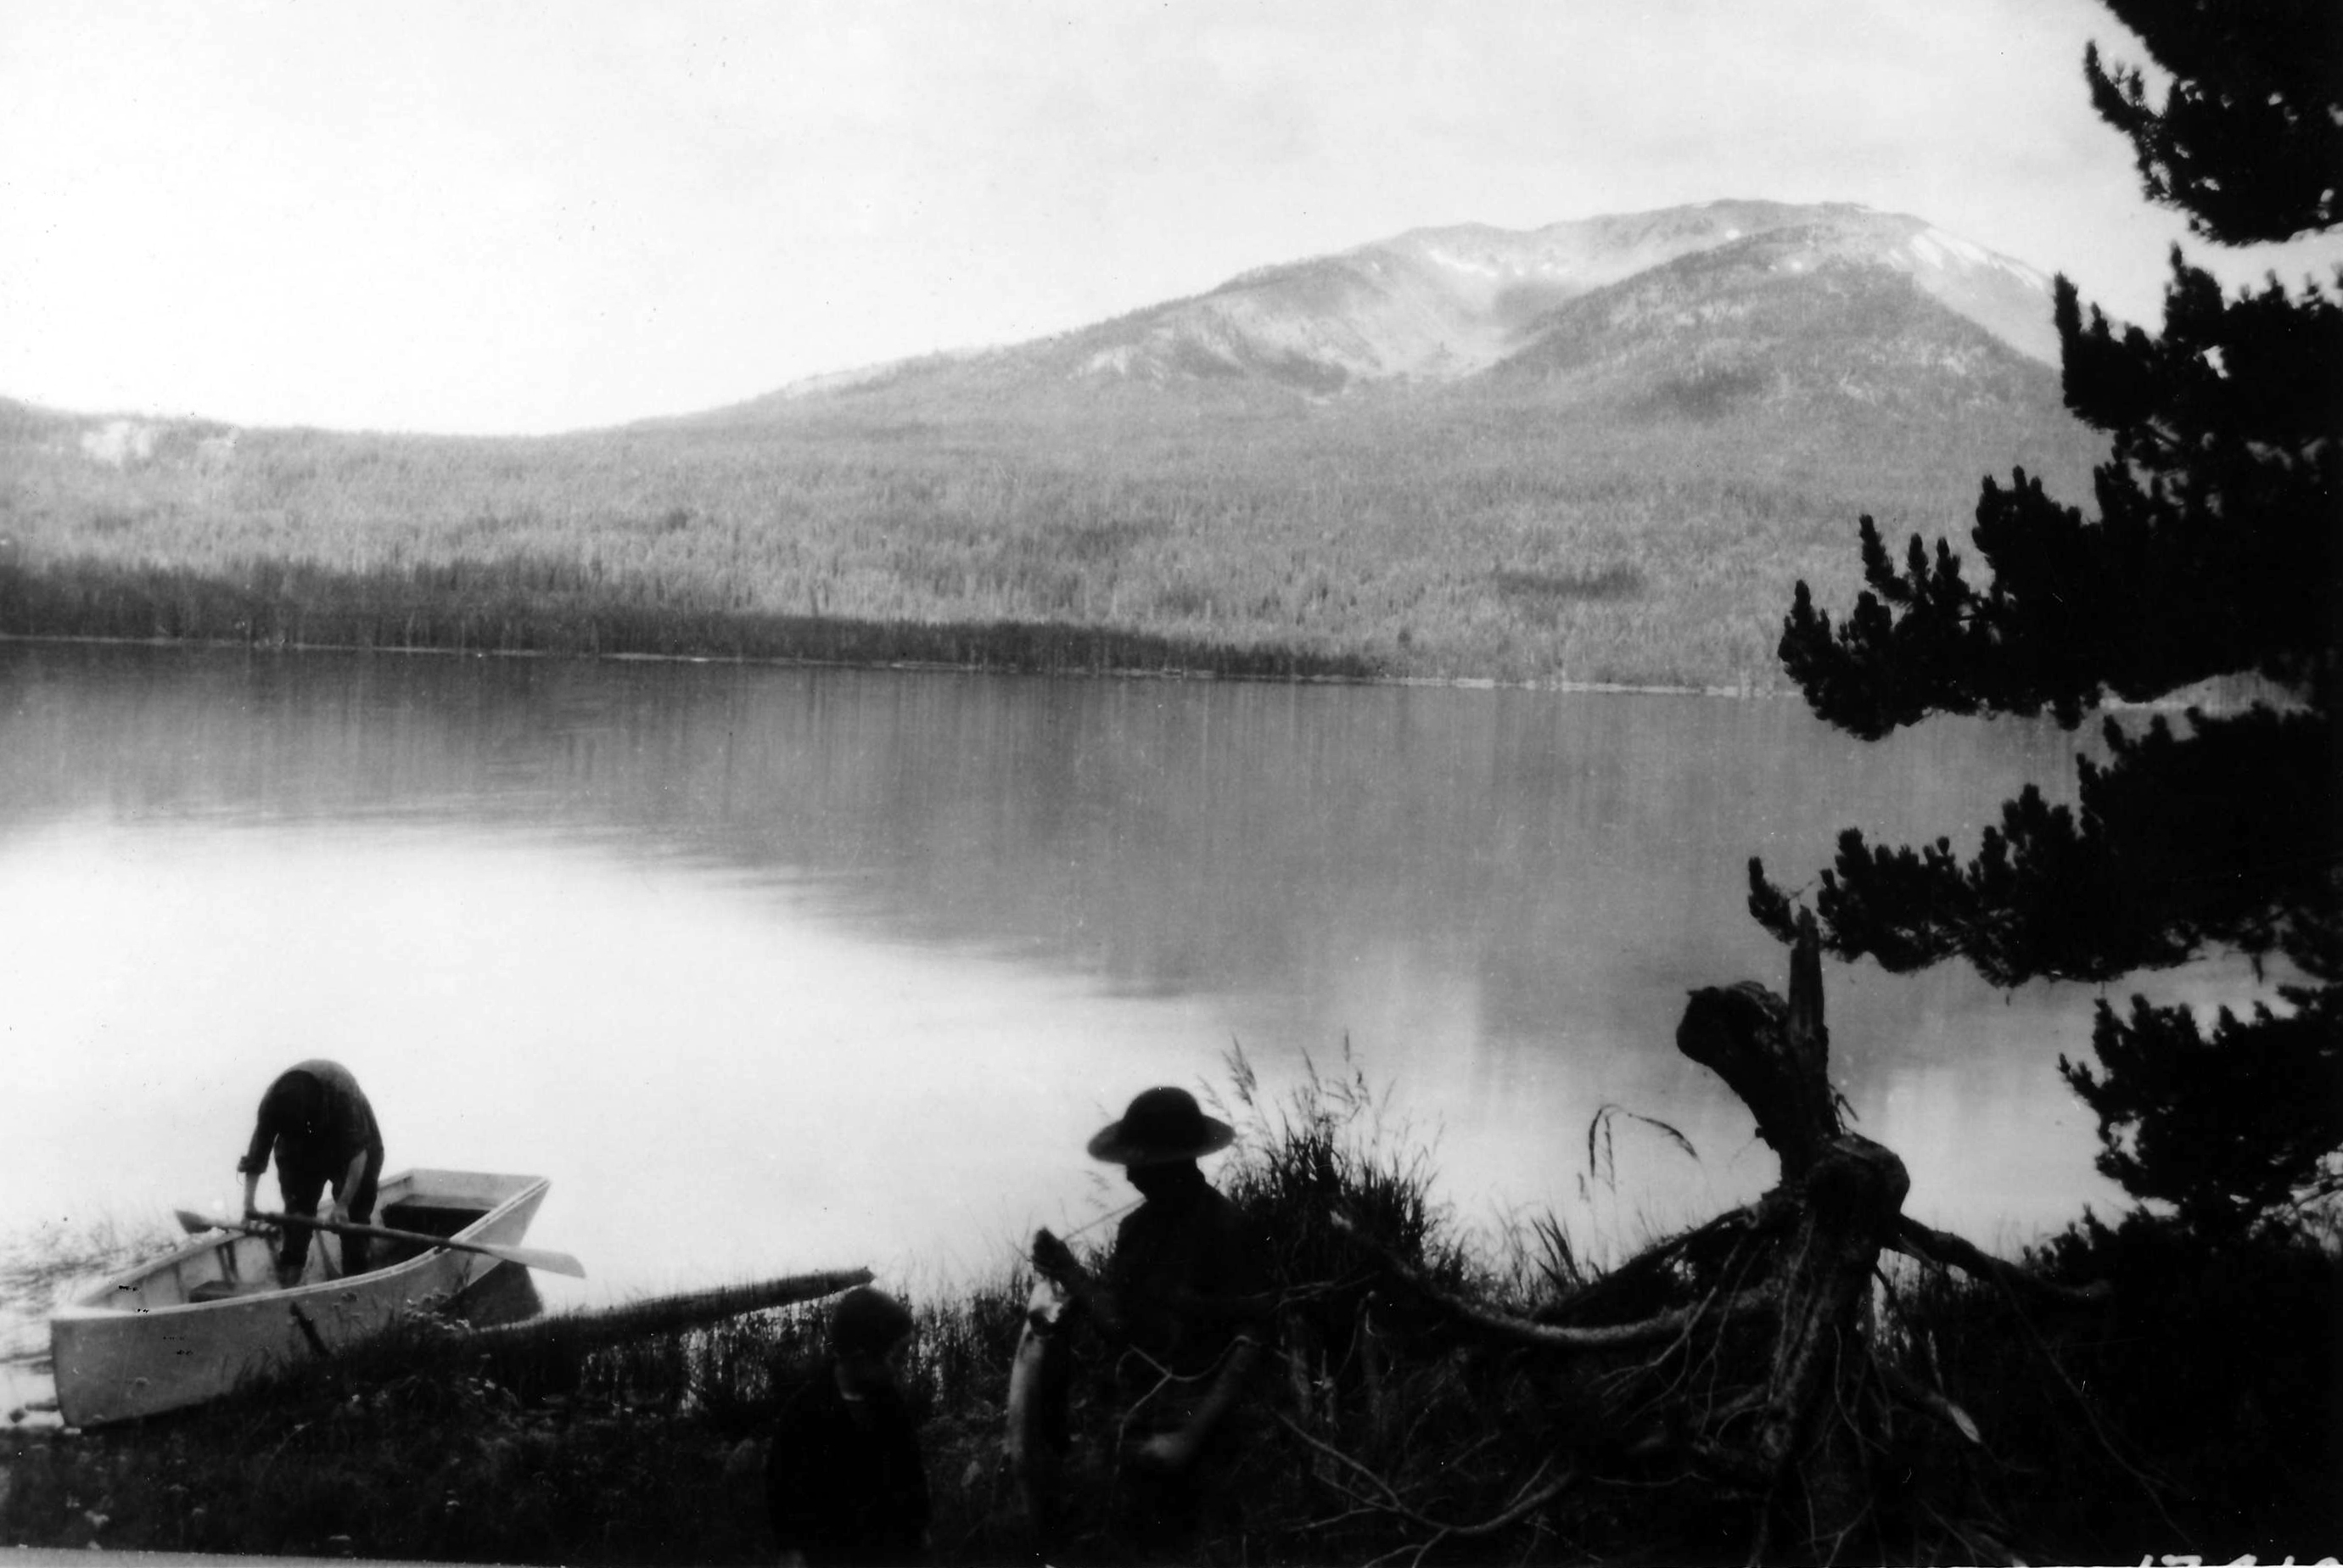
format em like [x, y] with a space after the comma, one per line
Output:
[1774, 1055]
[1845, 1200]
[1805, 1438]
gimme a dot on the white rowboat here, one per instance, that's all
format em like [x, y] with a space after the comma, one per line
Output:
[190, 1326]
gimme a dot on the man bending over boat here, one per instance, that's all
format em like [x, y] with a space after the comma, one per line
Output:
[1187, 1301]
[318, 1121]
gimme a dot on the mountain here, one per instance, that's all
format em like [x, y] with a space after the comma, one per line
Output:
[1880, 313]
[1441, 306]
[1600, 450]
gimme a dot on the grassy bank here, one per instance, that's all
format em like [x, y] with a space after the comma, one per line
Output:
[2190, 1412]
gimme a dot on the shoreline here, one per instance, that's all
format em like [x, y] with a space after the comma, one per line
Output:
[2178, 702]
[420, 1449]
[909, 666]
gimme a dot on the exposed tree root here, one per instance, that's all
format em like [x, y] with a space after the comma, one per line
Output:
[1915, 1240]
[1659, 1328]
[1750, 1353]
[1531, 1497]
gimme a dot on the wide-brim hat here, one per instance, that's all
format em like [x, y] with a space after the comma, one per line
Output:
[1161, 1125]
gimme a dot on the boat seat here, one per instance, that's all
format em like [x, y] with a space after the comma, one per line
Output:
[221, 1289]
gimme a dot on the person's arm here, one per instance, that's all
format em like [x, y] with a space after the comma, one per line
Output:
[1242, 1293]
[349, 1123]
[1176, 1451]
[918, 1508]
[255, 1158]
[348, 1186]
[790, 1500]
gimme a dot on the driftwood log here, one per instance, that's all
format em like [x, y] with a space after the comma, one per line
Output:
[548, 1355]
[579, 1331]
[1791, 1399]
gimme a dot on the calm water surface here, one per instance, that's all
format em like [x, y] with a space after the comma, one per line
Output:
[772, 970]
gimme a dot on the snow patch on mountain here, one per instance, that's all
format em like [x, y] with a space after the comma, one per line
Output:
[1934, 246]
[1445, 303]
[1464, 264]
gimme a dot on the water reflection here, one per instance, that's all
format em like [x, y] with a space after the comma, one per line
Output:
[774, 969]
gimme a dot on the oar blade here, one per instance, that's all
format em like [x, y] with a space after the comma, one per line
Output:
[535, 1258]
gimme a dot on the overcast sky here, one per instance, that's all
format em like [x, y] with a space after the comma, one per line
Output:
[498, 216]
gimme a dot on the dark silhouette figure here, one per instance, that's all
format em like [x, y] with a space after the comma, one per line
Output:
[845, 1481]
[316, 1121]
[1186, 1303]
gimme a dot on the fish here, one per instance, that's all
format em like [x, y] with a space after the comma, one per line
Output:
[1040, 1375]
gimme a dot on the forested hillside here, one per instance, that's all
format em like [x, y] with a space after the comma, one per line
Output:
[1627, 495]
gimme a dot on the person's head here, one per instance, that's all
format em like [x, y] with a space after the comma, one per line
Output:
[296, 1102]
[1159, 1139]
[869, 1329]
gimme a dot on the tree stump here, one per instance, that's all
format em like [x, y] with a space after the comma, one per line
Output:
[1774, 1055]
[1842, 1199]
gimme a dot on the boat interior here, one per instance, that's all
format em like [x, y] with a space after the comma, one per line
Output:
[223, 1265]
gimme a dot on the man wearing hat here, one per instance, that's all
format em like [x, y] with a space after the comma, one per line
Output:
[845, 1481]
[1186, 1296]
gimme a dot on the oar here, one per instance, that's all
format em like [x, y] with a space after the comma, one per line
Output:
[526, 1257]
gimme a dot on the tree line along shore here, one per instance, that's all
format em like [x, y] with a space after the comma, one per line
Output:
[1380, 537]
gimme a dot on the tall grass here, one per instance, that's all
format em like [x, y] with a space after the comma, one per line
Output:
[39, 1265]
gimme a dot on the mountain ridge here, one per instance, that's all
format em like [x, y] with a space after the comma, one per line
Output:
[1439, 305]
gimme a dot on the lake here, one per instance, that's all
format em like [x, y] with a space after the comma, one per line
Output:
[775, 969]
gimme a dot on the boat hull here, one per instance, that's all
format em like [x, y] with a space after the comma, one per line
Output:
[191, 1326]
